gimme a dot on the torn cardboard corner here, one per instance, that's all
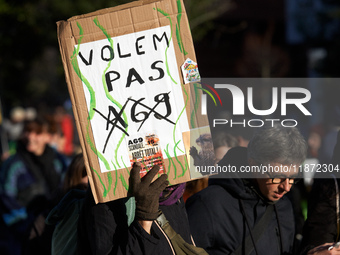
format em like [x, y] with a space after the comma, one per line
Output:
[123, 70]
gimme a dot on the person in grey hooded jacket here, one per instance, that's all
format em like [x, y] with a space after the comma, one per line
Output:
[224, 217]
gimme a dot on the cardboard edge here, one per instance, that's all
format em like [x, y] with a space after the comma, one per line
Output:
[113, 9]
[64, 31]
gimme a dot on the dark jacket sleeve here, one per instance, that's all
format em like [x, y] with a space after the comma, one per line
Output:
[336, 152]
[111, 236]
[12, 211]
[103, 230]
[320, 226]
[201, 225]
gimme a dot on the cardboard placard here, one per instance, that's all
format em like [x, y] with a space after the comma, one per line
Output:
[123, 70]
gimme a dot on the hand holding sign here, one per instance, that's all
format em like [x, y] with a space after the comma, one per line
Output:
[146, 192]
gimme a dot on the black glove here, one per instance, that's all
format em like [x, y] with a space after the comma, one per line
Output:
[145, 192]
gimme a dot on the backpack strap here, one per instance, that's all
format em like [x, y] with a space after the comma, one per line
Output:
[177, 243]
[255, 233]
[130, 206]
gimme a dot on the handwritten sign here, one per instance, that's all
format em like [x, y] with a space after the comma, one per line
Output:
[132, 86]
[130, 99]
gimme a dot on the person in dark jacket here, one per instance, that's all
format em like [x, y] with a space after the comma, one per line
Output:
[63, 218]
[129, 225]
[322, 228]
[250, 215]
[30, 185]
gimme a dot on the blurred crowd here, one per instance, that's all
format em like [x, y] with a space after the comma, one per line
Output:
[38, 151]
[44, 189]
[63, 135]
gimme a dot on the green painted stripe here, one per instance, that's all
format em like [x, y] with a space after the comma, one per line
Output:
[170, 161]
[196, 104]
[75, 66]
[108, 95]
[186, 167]
[126, 168]
[116, 180]
[166, 50]
[125, 185]
[179, 162]
[178, 29]
[93, 147]
[105, 192]
[185, 105]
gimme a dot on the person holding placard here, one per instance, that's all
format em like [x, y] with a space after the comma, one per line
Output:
[152, 220]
